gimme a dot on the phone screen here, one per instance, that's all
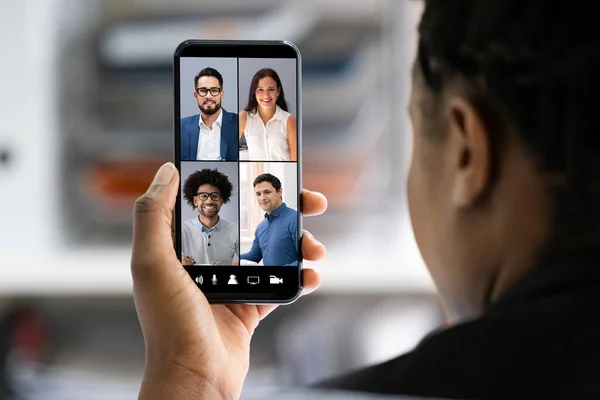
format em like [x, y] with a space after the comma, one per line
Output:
[238, 221]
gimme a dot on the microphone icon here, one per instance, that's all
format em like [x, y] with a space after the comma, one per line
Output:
[214, 279]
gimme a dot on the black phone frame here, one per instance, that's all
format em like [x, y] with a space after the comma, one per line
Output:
[264, 292]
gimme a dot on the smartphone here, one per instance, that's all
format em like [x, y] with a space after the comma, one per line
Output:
[237, 127]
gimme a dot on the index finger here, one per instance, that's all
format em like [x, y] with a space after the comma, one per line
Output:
[313, 203]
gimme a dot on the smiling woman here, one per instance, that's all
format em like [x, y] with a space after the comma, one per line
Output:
[269, 129]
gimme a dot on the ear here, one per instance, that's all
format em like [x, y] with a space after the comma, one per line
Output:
[196, 201]
[470, 157]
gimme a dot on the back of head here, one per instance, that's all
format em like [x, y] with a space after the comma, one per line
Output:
[536, 63]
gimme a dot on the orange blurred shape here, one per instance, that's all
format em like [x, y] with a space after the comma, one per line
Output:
[335, 178]
[117, 183]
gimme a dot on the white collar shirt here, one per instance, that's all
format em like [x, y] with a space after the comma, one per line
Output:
[268, 142]
[209, 140]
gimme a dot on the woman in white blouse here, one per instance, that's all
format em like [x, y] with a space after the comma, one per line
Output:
[269, 129]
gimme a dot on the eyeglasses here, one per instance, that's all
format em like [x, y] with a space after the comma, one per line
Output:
[204, 91]
[216, 196]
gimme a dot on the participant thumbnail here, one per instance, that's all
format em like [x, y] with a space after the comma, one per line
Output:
[268, 214]
[210, 213]
[267, 119]
[208, 105]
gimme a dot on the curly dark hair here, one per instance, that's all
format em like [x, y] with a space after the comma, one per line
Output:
[203, 177]
[532, 66]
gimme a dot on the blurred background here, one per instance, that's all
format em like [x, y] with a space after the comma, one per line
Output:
[86, 119]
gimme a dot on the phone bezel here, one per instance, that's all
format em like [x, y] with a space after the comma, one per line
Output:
[289, 291]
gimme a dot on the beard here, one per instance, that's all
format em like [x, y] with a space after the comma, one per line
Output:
[209, 214]
[210, 111]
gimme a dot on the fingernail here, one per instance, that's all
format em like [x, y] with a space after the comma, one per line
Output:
[165, 174]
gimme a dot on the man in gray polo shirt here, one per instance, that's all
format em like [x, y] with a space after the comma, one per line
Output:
[208, 239]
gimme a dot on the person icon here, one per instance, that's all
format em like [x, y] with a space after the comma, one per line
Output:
[232, 280]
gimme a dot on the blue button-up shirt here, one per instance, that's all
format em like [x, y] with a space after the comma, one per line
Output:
[276, 239]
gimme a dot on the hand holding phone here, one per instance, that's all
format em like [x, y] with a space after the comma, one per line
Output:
[193, 348]
[238, 150]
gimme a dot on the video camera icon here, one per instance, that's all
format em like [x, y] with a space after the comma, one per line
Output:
[273, 280]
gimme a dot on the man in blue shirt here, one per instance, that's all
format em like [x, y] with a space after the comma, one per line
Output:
[276, 237]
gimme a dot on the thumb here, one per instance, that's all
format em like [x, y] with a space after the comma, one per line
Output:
[152, 220]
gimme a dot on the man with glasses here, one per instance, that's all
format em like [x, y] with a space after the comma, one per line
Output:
[208, 239]
[212, 134]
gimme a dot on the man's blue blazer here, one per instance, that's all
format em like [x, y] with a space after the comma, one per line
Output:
[190, 130]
